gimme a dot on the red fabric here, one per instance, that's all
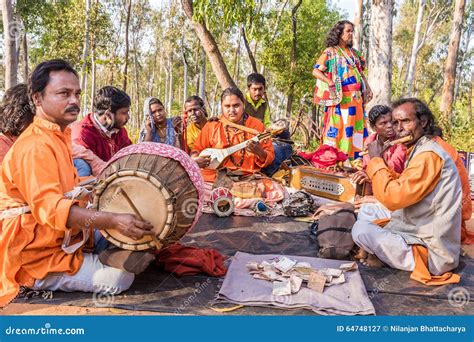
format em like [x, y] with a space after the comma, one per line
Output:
[184, 261]
[395, 156]
[325, 156]
[86, 134]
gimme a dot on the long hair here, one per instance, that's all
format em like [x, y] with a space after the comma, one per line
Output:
[422, 110]
[233, 91]
[333, 36]
[15, 110]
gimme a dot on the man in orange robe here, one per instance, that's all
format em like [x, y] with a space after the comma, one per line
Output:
[423, 234]
[225, 133]
[44, 233]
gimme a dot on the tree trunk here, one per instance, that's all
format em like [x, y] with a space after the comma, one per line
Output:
[202, 77]
[358, 24]
[237, 57]
[10, 33]
[215, 101]
[249, 51]
[127, 24]
[167, 82]
[291, 90]
[185, 72]
[170, 91]
[25, 58]
[85, 51]
[380, 60]
[471, 95]
[447, 96]
[93, 73]
[415, 48]
[210, 46]
[460, 67]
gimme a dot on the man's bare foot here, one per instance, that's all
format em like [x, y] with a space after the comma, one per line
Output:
[361, 254]
[372, 261]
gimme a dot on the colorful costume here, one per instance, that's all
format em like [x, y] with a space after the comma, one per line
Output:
[344, 124]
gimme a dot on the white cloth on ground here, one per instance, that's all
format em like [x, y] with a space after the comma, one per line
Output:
[349, 298]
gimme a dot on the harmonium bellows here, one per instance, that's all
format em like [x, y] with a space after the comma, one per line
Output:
[325, 184]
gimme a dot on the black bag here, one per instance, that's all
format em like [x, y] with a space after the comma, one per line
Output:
[333, 230]
[298, 204]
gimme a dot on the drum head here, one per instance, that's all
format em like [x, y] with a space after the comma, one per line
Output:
[152, 201]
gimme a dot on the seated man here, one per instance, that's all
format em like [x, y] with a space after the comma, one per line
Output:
[16, 115]
[257, 107]
[157, 127]
[233, 128]
[423, 234]
[44, 234]
[103, 131]
[194, 119]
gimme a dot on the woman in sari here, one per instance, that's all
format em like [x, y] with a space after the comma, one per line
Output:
[157, 127]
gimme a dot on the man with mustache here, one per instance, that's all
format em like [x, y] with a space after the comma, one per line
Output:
[194, 120]
[103, 131]
[423, 235]
[45, 241]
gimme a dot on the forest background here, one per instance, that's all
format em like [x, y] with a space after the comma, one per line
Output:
[171, 49]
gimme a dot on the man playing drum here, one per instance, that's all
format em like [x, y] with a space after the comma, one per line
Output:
[45, 235]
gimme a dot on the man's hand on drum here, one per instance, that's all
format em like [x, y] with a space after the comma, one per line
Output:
[202, 162]
[360, 177]
[131, 226]
[257, 149]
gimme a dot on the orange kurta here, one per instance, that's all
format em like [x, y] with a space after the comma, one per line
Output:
[37, 171]
[398, 191]
[214, 135]
[466, 236]
[6, 142]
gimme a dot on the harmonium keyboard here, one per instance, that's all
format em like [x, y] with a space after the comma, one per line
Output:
[324, 183]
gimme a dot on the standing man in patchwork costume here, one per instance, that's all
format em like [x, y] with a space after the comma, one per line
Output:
[344, 123]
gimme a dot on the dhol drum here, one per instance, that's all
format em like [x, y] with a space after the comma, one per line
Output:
[156, 182]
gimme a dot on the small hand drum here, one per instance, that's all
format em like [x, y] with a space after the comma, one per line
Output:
[221, 202]
[156, 182]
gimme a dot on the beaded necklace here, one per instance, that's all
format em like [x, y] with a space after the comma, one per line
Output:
[242, 151]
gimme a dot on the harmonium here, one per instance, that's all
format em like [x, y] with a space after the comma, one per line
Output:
[325, 183]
